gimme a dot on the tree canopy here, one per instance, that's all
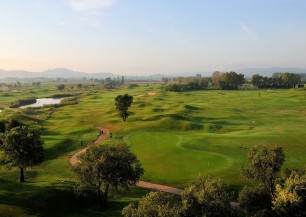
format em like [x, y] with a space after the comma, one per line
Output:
[2, 126]
[278, 80]
[188, 83]
[107, 166]
[155, 204]
[206, 197]
[263, 165]
[123, 102]
[23, 147]
[61, 86]
[230, 80]
[255, 201]
[290, 196]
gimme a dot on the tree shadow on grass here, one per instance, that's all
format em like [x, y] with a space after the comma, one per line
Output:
[60, 149]
[59, 199]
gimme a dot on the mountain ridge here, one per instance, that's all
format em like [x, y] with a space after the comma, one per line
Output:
[67, 73]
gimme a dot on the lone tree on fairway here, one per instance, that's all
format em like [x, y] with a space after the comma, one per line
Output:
[23, 147]
[104, 167]
[123, 102]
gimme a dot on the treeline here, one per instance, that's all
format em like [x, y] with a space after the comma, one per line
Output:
[188, 83]
[278, 80]
[223, 81]
[234, 81]
[109, 83]
[227, 80]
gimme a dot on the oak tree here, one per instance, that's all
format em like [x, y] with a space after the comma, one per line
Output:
[23, 147]
[106, 167]
[206, 197]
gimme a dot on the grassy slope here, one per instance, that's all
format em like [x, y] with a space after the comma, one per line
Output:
[175, 135]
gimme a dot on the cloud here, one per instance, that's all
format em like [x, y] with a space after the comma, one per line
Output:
[90, 5]
[249, 31]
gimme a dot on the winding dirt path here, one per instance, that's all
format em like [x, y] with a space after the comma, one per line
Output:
[74, 160]
[164, 188]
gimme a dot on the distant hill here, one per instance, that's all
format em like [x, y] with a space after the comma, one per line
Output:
[67, 73]
[53, 73]
[17, 74]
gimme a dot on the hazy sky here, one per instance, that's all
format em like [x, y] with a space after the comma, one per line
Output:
[151, 36]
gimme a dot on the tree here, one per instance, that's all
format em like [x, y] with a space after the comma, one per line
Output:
[2, 131]
[123, 102]
[103, 167]
[13, 123]
[206, 197]
[2, 127]
[230, 80]
[155, 204]
[60, 86]
[109, 83]
[255, 201]
[23, 147]
[215, 77]
[203, 83]
[257, 80]
[36, 84]
[264, 165]
[290, 196]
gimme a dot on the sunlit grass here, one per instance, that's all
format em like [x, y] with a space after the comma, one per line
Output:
[175, 135]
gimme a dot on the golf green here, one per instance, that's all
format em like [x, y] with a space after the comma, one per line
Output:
[166, 160]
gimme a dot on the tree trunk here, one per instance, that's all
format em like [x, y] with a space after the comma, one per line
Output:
[105, 196]
[99, 196]
[21, 178]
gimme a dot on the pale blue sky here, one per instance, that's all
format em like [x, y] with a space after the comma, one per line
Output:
[156, 36]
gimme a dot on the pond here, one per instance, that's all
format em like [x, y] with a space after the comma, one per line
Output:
[43, 101]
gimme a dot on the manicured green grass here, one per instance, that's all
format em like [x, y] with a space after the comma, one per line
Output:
[166, 160]
[176, 136]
